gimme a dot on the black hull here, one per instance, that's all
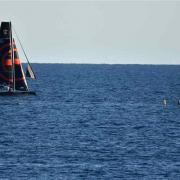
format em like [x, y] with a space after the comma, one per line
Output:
[18, 93]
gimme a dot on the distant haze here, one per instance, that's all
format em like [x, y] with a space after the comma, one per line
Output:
[137, 32]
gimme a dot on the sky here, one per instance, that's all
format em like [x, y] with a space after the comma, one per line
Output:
[111, 32]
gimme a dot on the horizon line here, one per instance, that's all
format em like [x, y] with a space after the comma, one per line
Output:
[166, 64]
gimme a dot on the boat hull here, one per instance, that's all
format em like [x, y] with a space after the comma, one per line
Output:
[18, 93]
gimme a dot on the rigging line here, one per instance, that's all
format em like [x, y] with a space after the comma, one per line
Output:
[23, 50]
[12, 29]
[21, 44]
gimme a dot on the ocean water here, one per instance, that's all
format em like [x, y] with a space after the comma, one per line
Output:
[93, 122]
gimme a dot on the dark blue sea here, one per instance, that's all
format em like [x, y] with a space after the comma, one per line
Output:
[93, 122]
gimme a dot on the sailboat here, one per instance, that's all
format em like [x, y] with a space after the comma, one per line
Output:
[12, 78]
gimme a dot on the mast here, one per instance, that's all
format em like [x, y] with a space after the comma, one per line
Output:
[12, 58]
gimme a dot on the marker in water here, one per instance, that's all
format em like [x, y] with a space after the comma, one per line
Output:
[179, 102]
[164, 102]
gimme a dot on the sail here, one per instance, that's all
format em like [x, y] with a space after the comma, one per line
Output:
[5, 55]
[20, 80]
[11, 70]
[29, 72]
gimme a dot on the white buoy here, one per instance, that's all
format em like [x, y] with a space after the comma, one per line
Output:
[164, 102]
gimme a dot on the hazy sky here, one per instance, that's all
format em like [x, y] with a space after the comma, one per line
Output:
[97, 31]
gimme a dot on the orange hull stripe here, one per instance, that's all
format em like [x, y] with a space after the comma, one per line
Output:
[8, 62]
[17, 61]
